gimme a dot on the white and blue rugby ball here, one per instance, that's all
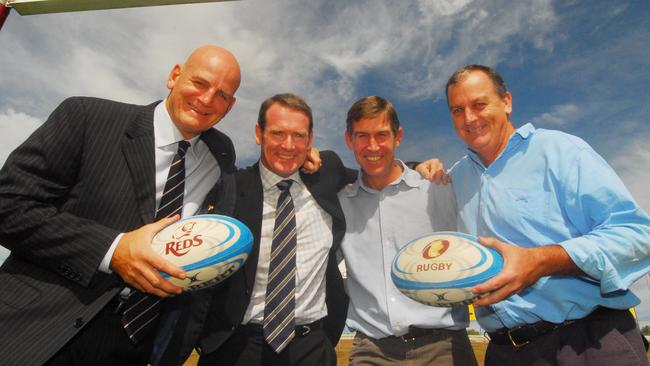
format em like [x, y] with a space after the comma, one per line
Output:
[440, 269]
[209, 248]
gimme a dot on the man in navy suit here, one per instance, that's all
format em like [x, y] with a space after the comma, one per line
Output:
[77, 205]
[227, 322]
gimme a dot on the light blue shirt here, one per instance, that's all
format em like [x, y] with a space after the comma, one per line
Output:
[379, 224]
[548, 187]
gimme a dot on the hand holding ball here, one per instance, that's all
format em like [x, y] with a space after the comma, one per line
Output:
[209, 248]
[441, 268]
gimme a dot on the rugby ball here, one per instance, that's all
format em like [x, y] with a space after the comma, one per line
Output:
[440, 269]
[209, 248]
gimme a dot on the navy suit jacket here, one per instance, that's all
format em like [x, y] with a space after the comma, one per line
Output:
[213, 314]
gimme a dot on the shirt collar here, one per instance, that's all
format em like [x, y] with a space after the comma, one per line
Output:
[410, 177]
[520, 134]
[164, 129]
[270, 179]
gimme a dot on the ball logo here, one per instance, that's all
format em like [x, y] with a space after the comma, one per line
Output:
[180, 247]
[435, 249]
[185, 230]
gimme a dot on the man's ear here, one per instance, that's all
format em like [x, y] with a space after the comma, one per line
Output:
[258, 134]
[348, 140]
[173, 76]
[398, 137]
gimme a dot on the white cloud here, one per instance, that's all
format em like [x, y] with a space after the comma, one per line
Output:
[559, 116]
[632, 163]
[321, 50]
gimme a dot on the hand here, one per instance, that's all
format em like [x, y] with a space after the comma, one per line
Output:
[139, 265]
[313, 163]
[522, 267]
[433, 170]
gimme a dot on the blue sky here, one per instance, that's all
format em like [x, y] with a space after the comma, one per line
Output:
[578, 66]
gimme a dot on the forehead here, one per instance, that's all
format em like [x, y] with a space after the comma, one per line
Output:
[214, 71]
[474, 85]
[279, 117]
[372, 124]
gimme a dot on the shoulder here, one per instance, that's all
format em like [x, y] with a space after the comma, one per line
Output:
[331, 160]
[246, 174]
[98, 110]
[221, 145]
[556, 144]
[92, 103]
[415, 181]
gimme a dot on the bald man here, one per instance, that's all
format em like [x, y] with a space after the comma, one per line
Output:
[79, 204]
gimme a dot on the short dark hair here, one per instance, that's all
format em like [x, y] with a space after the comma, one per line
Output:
[463, 72]
[287, 100]
[370, 107]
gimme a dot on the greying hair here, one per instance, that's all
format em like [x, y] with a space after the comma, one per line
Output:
[463, 72]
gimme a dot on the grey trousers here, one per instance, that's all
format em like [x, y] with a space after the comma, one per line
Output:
[440, 347]
[611, 339]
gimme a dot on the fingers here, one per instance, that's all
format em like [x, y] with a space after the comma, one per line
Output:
[309, 167]
[313, 162]
[440, 177]
[433, 170]
[162, 223]
[151, 281]
[166, 266]
[425, 171]
[138, 265]
[517, 274]
[489, 298]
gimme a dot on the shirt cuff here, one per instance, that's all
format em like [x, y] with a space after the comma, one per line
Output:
[104, 265]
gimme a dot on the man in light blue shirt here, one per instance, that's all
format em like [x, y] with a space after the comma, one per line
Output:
[387, 207]
[572, 237]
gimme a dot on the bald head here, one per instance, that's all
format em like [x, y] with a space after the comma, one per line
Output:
[218, 57]
[202, 90]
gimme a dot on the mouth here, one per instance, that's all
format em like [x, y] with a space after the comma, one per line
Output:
[476, 130]
[199, 111]
[285, 156]
[373, 158]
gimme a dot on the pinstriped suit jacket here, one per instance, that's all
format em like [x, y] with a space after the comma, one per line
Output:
[83, 177]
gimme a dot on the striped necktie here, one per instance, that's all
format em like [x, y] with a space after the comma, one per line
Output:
[279, 318]
[142, 309]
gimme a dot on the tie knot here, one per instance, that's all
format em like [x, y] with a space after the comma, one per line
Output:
[182, 147]
[284, 185]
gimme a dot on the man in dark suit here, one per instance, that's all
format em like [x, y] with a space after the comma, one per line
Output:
[233, 318]
[77, 205]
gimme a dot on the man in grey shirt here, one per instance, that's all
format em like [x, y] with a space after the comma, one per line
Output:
[387, 207]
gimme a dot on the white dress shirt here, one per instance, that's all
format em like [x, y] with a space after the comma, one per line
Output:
[314, 240]
[201, 169]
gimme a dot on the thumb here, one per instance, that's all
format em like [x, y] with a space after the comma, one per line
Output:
[164, 222]
[491, 243]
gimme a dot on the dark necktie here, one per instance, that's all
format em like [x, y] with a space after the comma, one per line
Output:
[142, 309]
[279, 318]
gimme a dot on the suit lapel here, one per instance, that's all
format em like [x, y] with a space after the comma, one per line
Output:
[139, 152]
[252, 196]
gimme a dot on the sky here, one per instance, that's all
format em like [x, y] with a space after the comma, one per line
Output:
[579, 66]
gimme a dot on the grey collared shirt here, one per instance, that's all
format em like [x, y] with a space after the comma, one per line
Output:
[379, 224]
